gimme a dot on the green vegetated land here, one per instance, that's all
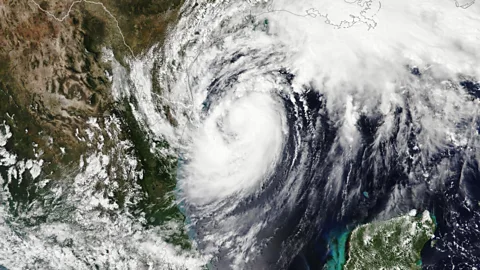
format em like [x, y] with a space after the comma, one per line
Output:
[391, 244]
[158, 182]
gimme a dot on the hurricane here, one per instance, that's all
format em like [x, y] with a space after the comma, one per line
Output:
[253, 135]
[289, 112]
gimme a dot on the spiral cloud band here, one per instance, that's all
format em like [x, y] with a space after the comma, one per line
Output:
[291, 109]
[242, 132]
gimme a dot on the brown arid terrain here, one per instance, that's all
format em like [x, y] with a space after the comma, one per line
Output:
[52, 76]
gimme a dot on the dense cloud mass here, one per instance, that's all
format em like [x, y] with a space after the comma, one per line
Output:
[292, 109]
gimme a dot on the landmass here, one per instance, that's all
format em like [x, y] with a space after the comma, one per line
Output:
[391, 244]
[55, 82]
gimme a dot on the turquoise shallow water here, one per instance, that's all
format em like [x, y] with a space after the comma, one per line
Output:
[337, 247]
[434, 218]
